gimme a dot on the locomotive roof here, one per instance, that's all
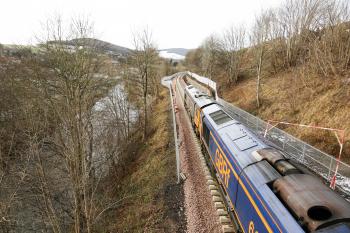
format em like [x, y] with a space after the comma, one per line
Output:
[191, 90]
[199, 97]
[202, 100]
[218, 117]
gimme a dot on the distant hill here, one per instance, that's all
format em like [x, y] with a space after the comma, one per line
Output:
[100, 44]
[173, 53]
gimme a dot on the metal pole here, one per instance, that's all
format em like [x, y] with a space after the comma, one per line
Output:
[175, 135]
[303, 155]
[330, 170]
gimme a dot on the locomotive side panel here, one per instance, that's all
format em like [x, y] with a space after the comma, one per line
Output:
[249, 215]
[189, 103]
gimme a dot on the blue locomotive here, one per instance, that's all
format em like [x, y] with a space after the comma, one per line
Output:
[265, 191]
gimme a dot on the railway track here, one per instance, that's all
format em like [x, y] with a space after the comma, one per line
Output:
[205, 206]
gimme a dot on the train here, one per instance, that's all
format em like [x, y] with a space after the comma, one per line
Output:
[264, 190]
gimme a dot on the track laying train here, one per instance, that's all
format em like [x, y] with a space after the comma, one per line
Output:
[264, 191]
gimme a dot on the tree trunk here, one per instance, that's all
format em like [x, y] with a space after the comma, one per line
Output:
[77, 214]
[258, 86]
[145, 105]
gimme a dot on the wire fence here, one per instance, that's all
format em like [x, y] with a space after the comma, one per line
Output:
[318, 161]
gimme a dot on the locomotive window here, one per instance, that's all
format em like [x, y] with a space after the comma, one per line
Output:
[220, 117]
[206, 134]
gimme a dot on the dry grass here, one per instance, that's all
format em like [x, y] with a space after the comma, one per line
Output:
[148, 176]
[297, 97]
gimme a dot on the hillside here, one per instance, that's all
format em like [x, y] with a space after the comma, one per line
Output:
[307, 101]
[293, 96]
[102, 45]
[308, 83]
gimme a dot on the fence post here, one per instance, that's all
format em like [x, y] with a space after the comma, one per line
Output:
[303, 154]
[330, 169]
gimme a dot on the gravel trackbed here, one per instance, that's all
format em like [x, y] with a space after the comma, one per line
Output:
[199, 209]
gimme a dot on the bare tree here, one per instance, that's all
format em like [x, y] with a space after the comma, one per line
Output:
[297, 18]
[144, 58]
[72, 89]
[18, 96]
[193, 60]
[330, 52]
[1, 50]
[232, 43]
[211, 48]
[259, 38]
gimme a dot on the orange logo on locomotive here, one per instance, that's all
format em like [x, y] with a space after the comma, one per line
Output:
[222, 167]
[251, 228]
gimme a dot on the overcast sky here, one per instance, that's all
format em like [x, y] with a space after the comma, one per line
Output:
[181, 23]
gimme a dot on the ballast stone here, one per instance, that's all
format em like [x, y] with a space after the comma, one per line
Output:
[224, 219]
[215, 193]
[228, 229]
[219, 205]
[222, 212]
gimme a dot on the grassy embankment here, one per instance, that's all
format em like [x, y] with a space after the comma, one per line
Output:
[150, 181]
[296, 97]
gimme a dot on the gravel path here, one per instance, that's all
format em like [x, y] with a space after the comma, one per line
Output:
[199, 209]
